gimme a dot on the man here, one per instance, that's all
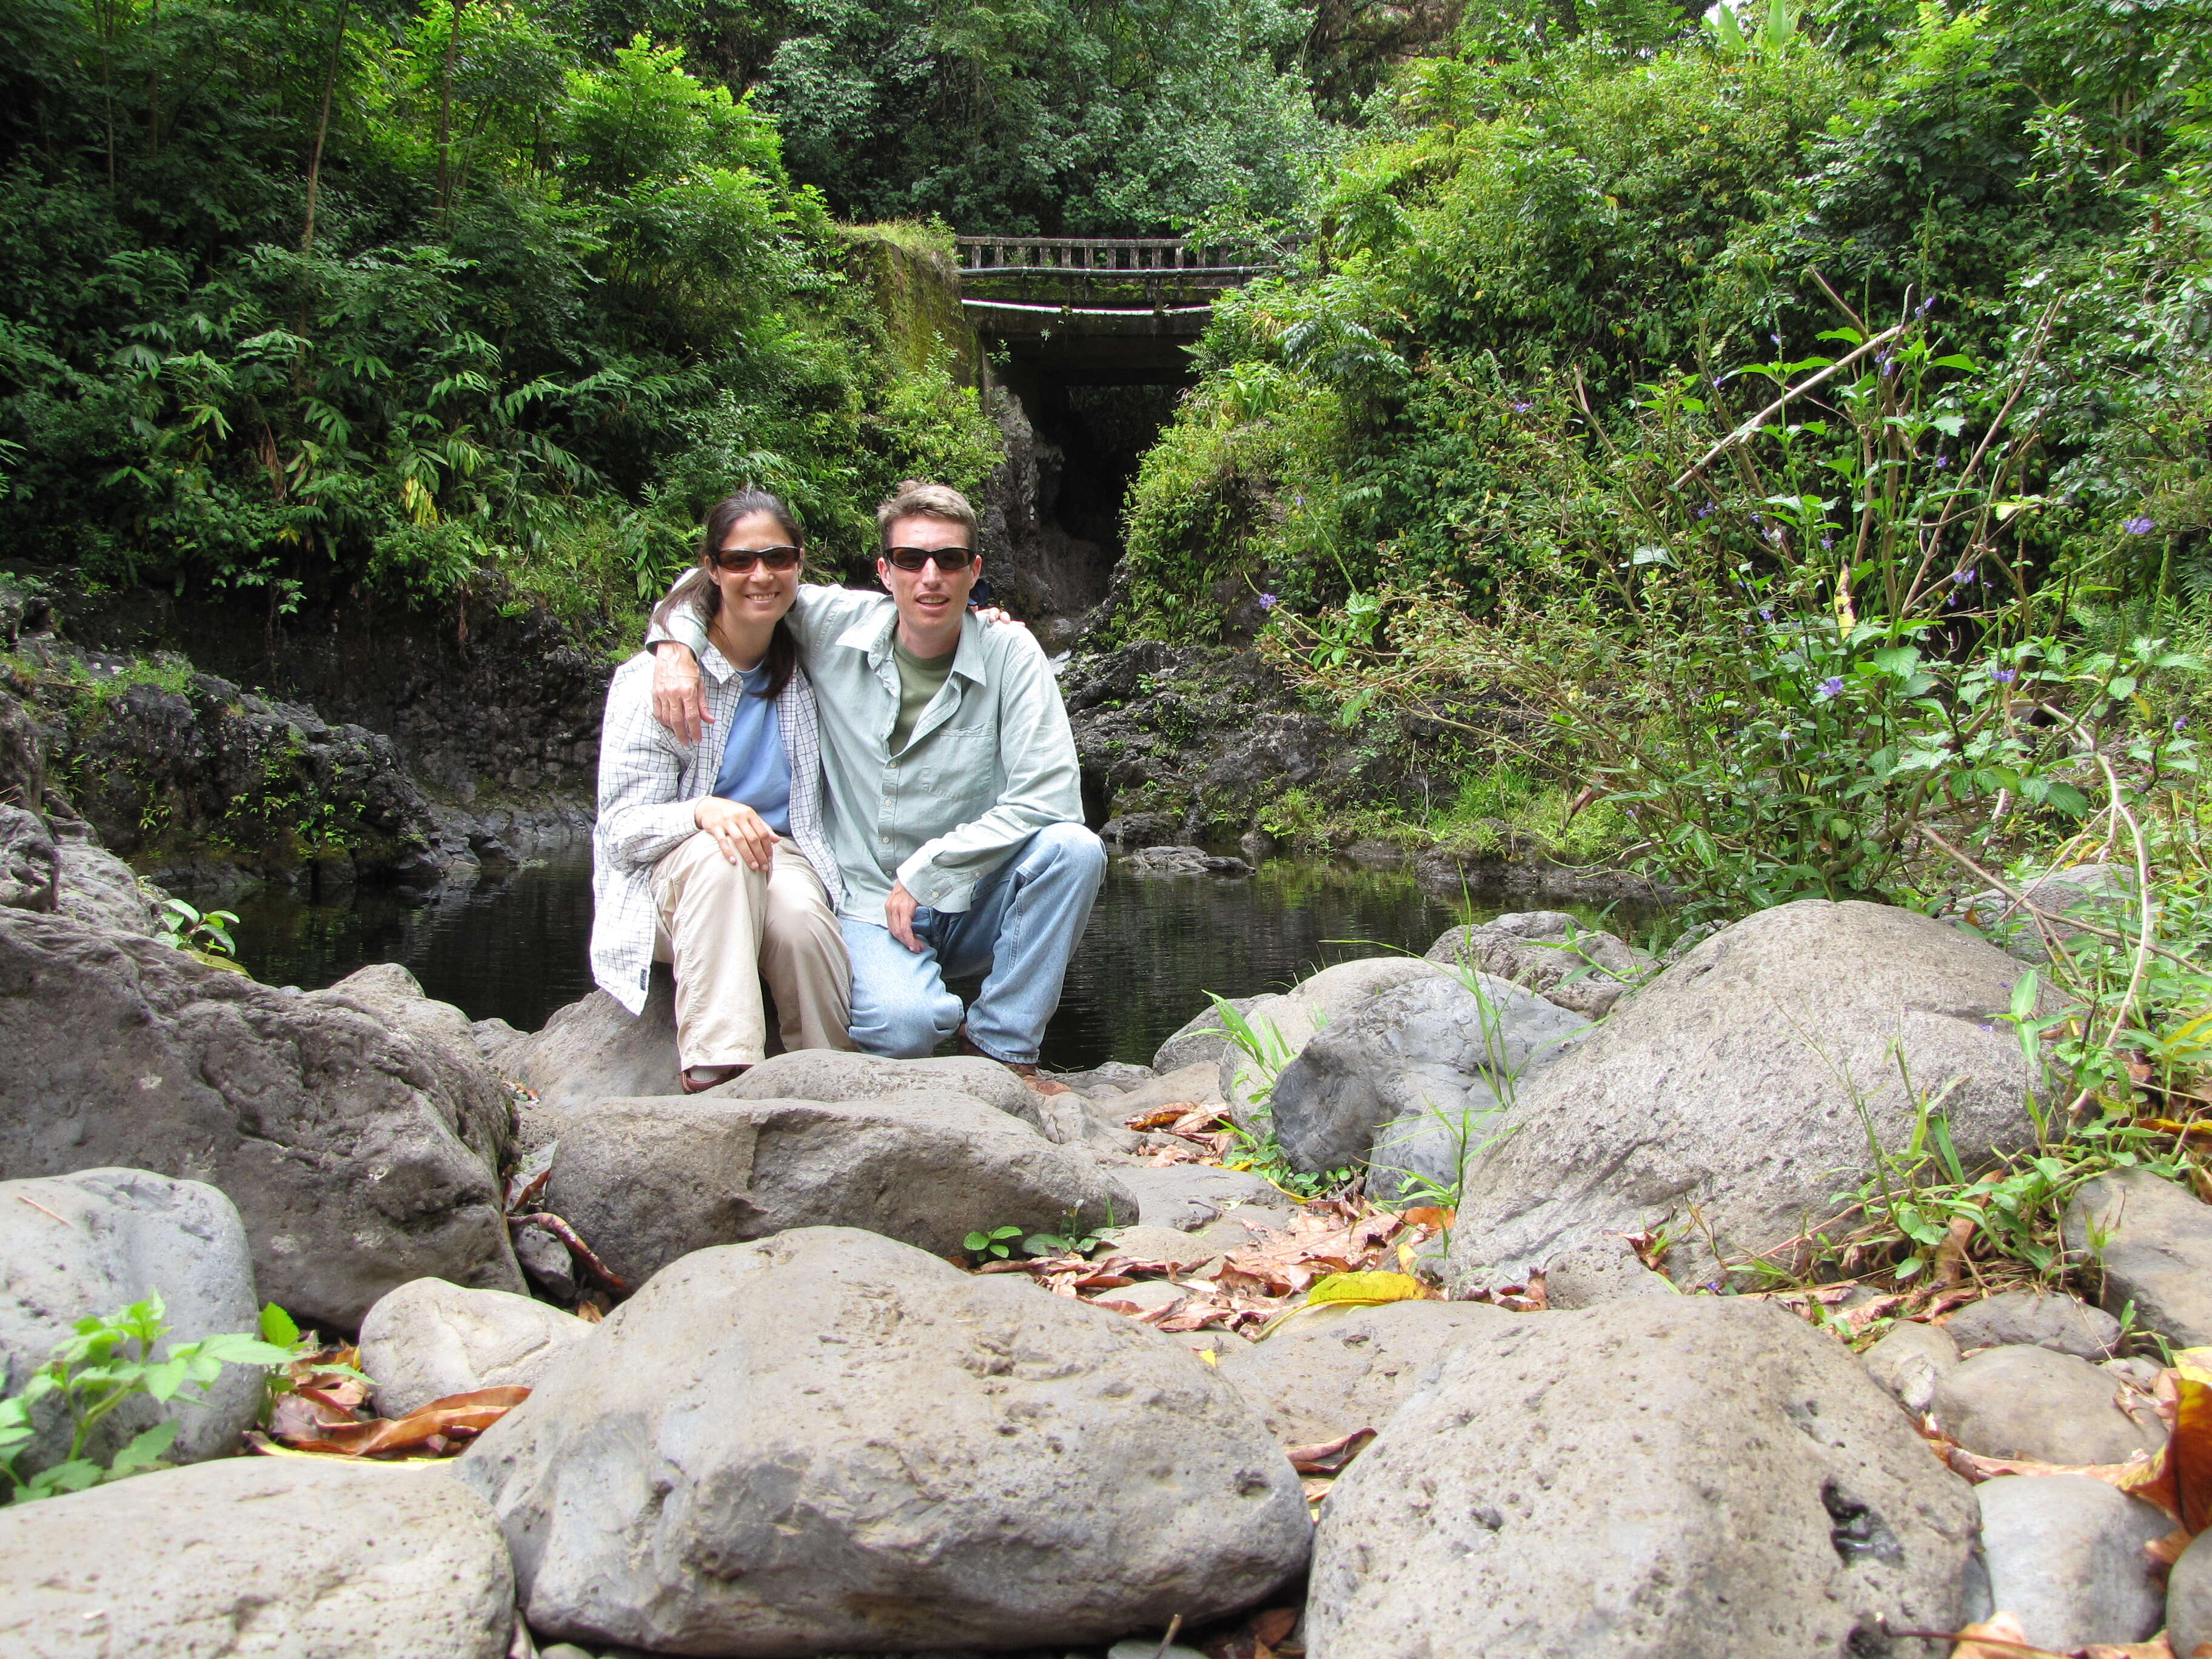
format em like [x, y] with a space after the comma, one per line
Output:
[955, 813]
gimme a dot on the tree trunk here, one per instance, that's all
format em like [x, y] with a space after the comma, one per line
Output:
[446, 107]
[323, 127]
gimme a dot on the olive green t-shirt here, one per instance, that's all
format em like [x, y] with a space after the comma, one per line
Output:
[919, 680]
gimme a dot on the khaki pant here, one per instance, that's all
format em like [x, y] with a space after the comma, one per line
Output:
[727, 927]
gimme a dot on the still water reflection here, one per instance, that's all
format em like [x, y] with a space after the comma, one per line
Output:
[513, 946]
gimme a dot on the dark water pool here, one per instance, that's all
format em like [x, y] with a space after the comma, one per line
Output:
[513, 946]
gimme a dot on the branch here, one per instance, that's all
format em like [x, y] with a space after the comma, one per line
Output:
[1750, 427]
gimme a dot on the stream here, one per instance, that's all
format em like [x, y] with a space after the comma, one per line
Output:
[512, 945]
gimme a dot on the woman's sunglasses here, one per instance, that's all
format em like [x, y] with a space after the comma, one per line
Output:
[949, 559]
[743, 558]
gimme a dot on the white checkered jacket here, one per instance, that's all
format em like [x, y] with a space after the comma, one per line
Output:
[647, 782]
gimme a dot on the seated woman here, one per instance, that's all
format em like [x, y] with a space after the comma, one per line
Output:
[711, 855]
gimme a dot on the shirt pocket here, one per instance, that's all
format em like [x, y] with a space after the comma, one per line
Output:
[960, 775]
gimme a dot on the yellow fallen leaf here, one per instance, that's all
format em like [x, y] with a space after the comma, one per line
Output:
[1210, 1357]
[1367, 1289]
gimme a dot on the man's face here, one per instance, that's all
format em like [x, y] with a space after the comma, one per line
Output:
[928, 599]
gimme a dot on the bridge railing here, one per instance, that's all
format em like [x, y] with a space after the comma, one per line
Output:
[1111, 259]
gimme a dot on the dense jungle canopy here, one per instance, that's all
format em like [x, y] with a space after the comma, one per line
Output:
[299, 297]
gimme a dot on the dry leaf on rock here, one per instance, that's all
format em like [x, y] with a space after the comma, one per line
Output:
[1329, 1456]
[1368, 1290]
[440, 1427]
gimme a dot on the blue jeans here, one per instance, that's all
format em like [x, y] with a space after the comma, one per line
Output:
[1022, 925]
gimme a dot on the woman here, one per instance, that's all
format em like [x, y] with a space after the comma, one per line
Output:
[710, 855]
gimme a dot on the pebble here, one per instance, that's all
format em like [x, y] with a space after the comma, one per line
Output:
[2189, 1599]
[1909, 1361]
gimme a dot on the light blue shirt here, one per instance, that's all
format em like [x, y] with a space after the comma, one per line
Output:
[755, 772]
[990, 762]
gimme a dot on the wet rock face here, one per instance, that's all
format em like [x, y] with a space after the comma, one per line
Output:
[827, 1441]
[1203, 735]
[358, 1157]
[1736, 1485]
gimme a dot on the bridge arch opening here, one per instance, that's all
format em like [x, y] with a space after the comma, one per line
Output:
[1089, 339]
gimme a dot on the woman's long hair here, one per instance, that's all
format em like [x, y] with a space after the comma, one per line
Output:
[703, 594]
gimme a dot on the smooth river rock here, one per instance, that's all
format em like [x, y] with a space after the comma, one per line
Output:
[1582, 969]
[1287, 1021]
[302, 1557]
[1644, 1480]
[2030, 1402]
[1909, 1360]
[2036, 1319]
[93, 1243]
[827, 1441]
[358, 1157]
[428, 1339]
[2188, 1600]
[646, 1182]
[1721, 1084]
[2152, 1240]
[2064, 1554]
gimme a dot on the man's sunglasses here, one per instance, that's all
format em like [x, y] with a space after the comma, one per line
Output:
[949, 559]
[743, 558]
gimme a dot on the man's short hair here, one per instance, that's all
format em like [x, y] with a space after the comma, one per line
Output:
[918, 500]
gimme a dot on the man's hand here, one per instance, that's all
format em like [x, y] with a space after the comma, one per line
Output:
[991, 617]
[678, 702]
[898, 916]
[739, 831]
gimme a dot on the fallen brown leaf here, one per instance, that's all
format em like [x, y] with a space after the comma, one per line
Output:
[590, 1262]
[1329, 1456]
[450, 1421]
[1160, 1119]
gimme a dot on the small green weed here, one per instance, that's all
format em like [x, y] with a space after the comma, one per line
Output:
[105, 1363]
[998, 1243]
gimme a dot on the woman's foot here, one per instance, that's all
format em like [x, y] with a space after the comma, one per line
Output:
[698, 1079]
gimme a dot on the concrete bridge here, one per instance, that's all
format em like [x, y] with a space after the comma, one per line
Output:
[1096, 310]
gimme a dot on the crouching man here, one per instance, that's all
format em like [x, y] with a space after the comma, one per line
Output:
[956, 814]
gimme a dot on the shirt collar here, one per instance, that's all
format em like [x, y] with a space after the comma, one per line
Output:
[872, 636]
[711, 660]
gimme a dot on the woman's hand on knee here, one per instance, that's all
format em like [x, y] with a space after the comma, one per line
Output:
[741, 833]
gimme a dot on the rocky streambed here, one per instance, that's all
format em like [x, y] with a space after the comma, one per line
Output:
[856, 1356]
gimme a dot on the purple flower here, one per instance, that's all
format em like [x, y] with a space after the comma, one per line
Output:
[1755, 519]
[1775, 535]
[2181, 722]
[1827, 544]
[2004, 676]
[1833, 686]
[2139, 526]
[1777, 339]
[1765, 615]
[1269, 602]
[1704, 509]
[1522, 409]
[1943, 461]
[1965, 575]
[1926, 306]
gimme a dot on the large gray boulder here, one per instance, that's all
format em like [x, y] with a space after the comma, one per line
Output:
[1195, 1042]
[827, 1441]
[1642, 1480]
[428, 1339]
[386, 991]
[1410, 1077]
[100, 890]
[306, 1558]
[358, 1157]
[1288, 1020]
[95, 1242]
[2148, 1241]
[1187, 1196]
[30, 870]
[1584, 969]
[2101, 894]
[2064, 1554]
[1746, 1080]
[828, 1074]
[1334, 1369]
[647, 1181]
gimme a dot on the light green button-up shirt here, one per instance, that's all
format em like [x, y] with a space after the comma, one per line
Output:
[990, 762]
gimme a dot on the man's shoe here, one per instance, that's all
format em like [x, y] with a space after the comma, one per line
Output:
[700, 1078]
[1038, 1083]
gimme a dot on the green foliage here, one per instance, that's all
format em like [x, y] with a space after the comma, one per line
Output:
[202, 936]
[106, 1362]
[996, 1244]
[518, 299]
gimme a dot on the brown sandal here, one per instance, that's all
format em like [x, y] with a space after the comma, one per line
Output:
[1025, 1070]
